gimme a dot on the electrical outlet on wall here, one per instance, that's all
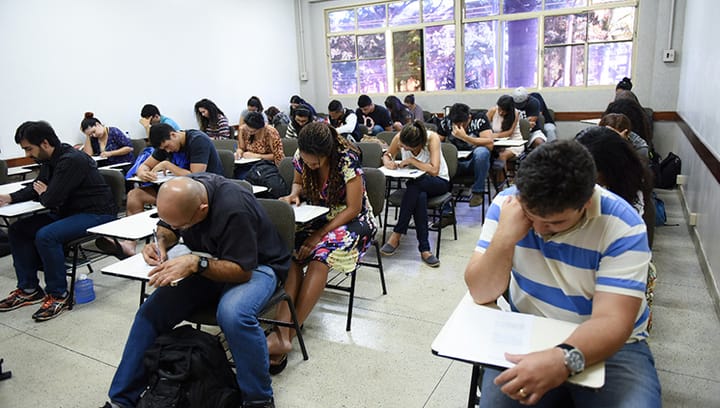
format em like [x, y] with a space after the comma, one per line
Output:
[669, 55]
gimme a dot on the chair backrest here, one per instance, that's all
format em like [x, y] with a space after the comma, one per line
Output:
[138, 146]
[3, 172]
[386, 136]
[282, 129]
[450, 153]
[524, 128]
[227, 158]
[116, 180]
[244, 184]
[225, 144]
[287, 171]
[371, 154]
[375, 186]
[363, 130]
[551, 113]
[283, 217]
[290, 145]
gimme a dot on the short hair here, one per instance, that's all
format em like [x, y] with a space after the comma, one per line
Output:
[364, 101]
[303, 111]
[296, 99]
[254, 101]
[149, 110]
[414, 134]
[335, 106]
[409, 99]
[271, 112]
[625, 84]
[35, 132]
[159, 133]
[459, 113]
[255, 120]
[556, 177]
[617, 121]
[89, 120]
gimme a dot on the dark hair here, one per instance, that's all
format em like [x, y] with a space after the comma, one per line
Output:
[296, 99]
[636, 114]
[459, 113]
[255, 120]
[616, 161]
[625, 84]
[555, 177]
[35, 132]
[364, 100]
[160, 133]
[617, 121]
[414, 134]
[213, 112]
[254, 101]
[623, 94]
[507, 104]
[335, 106]
[149, 110]
[303, 111]
[89, 121]
[394, 104]
[271, 112]
[321, 139]
[410, 99]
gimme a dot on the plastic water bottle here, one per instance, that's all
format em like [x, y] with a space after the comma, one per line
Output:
[84, 291]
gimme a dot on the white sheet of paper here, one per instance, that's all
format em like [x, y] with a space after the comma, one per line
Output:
[407, 173]
[306, 212]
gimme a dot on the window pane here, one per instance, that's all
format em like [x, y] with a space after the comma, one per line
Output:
[440, 58]
[609, 63]
[558, 4]
[404, 13]
[480, 55]
[373, 76]
[565, 29]
[605, 1]
[342, 48]
[407, 61]
[438, 10]
[371, 17]
[481, 8]
[564, 66]
[344, 79]
[521, 51]
[371, 46]
[341, 20]
[611, 24]
[521, 6]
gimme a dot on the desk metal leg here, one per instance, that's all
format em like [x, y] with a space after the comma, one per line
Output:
[475, 382]
[142, 292]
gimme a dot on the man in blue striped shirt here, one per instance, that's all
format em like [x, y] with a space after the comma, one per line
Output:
[568, 249]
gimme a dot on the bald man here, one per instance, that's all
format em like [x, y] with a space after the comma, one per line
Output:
[245, 262]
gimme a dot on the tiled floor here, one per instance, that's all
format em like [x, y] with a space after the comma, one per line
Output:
[385, 361]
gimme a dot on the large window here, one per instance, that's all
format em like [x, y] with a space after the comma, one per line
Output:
[446, 45]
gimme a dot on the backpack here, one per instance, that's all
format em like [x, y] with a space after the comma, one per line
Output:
[188, 368]
[660, 215]
[670, 167]
[266, 173]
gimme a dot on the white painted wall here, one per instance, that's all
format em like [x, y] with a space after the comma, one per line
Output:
[655, 82]
[62, 58]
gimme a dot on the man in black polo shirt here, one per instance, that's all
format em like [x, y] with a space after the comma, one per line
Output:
[247, 261]
[70, 186]
[200, 156]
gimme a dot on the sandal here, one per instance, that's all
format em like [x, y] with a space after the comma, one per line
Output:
[277, 368]
[111, 246]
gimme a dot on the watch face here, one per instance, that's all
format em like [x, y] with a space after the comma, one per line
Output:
[574, 361]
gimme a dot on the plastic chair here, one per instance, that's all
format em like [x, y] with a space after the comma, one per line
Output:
[227, 158]
[386, 136]
[225, 144]
[371, 154]
[290, 145]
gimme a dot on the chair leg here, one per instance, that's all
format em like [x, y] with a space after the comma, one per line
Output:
[475, 383]
[452, 203]
[352, 299]
[437, 246]
[73, 274]
[380, 266]
[296, 326]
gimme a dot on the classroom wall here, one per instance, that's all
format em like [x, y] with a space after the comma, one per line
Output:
[60, 59]
[655, 82]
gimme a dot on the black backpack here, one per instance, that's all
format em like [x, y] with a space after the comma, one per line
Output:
[670, 167]
[188, 368]
[266, 173]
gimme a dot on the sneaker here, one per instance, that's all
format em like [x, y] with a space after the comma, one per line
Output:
[476, 199]
[51, 308]
[445, 220]
[18, 298]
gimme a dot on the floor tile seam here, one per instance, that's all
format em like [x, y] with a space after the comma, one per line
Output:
[697, 377]
[66, 348]
[367, 309]
[437, 384]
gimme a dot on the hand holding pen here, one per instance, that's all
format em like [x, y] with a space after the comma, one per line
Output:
[153, 253]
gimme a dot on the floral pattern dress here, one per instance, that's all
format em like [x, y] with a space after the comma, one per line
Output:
[342, 247]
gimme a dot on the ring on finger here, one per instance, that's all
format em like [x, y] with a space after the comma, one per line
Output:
[521, 392]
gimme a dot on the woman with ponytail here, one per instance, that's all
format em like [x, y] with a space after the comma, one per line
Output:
[105, 141]
[420, 149]
[327, 173]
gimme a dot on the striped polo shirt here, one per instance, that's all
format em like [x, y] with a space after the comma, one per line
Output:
[557, 276]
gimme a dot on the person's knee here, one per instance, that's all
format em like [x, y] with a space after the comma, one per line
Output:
[231, 314]
[481, 153]
[46, 237]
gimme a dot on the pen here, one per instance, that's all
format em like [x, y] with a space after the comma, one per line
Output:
[157, 246]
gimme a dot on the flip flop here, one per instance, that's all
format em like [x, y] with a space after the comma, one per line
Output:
[111, 247]
[277, 368]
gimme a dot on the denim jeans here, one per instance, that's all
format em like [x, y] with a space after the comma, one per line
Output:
[37, 242]
[478, 165]
[550, 131]
[630, 381]
[414, 203]
[239, 305]
[376, 129]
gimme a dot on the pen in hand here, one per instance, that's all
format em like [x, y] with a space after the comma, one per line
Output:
[157, 246]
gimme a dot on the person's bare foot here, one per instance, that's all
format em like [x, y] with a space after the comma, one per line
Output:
[128, 247]
[277, 345]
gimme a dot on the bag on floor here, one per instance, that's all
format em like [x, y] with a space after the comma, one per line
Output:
[660, 215]
[188, 368]
[670, 167]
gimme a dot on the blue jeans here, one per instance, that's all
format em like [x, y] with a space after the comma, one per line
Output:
[550, 131]
[414, 203]
[239, 305]
[37, 242]
[376, 129]
[630, 381]
[477, 164]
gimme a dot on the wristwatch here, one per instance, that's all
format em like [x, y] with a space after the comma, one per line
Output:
[203, 264]
[574, 358]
